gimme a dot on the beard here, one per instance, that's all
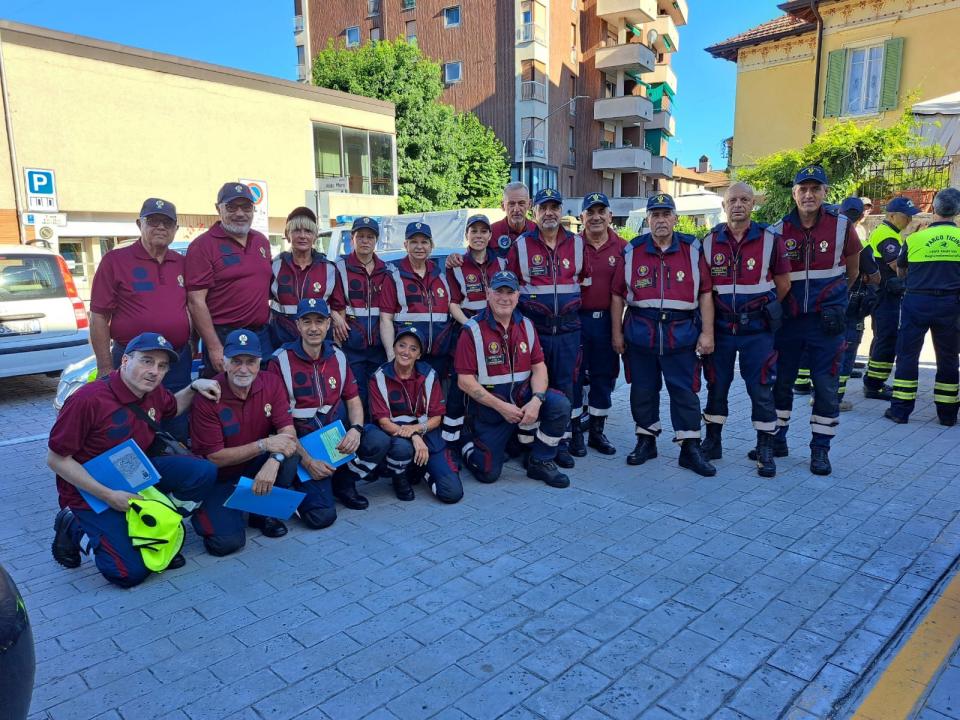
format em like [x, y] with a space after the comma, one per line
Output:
[238, 230]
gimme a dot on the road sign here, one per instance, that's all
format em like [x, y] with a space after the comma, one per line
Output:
[43, 219]
[334, 184]
[41, 190]
[261, 205]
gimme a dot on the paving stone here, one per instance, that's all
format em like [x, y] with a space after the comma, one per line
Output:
[778, 620]
[500, 693]
[829, 686]
[699, 694]
[858, 650]
[357, 700]
[803, 654]
[425, 699]
[551, 660]
[742, 654]
[945, 696]
[766, 694]
[620, 654]
[635, 691]
[664, 622]
[439, 654]
[567, 692]
[498, 655]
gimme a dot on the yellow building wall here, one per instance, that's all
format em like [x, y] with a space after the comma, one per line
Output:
[116, 135]
[778, 76]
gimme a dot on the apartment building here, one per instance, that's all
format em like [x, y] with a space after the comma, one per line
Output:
[581, 92]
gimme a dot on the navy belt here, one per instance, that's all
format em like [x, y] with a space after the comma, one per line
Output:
[934, 293]
[743, 318]
[666, 315]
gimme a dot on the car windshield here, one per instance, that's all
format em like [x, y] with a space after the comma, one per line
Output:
[30, 277]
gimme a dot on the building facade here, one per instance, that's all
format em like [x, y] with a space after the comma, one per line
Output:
[116, 125]
[833, 60]
[519, 64]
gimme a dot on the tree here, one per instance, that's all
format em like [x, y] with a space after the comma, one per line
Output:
[844, 151]
[444, 159]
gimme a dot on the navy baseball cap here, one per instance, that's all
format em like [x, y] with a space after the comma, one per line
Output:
[852, 203]
[366, 223]
[158, 206]
[547, 195]
[594, 199]
[660, 201]
[811, 173]
[903, 205]
[242, 342]
[302, 212]
[418, 228]
[504, 279]
[144, 342]
[409, 330]
[474, 219]
[233, 191]
[312, 305]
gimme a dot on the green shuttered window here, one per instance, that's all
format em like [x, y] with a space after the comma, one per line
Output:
[863, 80]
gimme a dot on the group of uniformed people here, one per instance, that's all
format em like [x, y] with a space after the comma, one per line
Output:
[512, 348]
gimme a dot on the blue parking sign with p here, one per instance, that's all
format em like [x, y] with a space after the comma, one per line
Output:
[40, 182]
[41, 190]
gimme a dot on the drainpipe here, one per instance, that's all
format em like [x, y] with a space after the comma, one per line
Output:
[12, 148]
[816, 72]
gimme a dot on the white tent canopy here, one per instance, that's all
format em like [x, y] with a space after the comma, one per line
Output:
[705, 207]
[940, 121]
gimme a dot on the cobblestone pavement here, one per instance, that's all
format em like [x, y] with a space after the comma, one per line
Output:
[638, 592]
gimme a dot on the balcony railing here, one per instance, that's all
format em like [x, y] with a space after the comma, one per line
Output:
[536, 148]
[532, 32]
[533, 90]
[571, 157]
[297, 24]
[301, 73]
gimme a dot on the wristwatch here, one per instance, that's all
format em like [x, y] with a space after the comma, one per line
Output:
[541, 396]
[358, 428]
[279, 457]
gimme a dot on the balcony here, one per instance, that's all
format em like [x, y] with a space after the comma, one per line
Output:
[531, 32]
[301, 73]
[676, 9]
[635, 12]
[668, 39]
[629, 56]
[660, 167]
[536, 148]
[663, 120]
[533, 90]
[297, 24]
[627, 110]
[624, 159]
[661, 74]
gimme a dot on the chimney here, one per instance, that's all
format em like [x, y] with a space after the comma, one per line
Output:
[704, 164]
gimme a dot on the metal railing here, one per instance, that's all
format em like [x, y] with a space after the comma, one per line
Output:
[297, 24]
[917, 178]
[533, 90]
[301, 73]
[532, 32]
[536, 148]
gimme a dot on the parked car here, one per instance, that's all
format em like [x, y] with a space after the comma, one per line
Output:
[43, 322]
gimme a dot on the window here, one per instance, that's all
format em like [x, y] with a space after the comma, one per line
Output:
[408, 4]
[451, 16]
[411, 29]
[452, 72]
[353, 36]
[571, 146]
[864, 70]
[373, 7]
[365, 158]
[375, 34]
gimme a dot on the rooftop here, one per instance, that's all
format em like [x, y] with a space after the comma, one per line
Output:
[781, 27]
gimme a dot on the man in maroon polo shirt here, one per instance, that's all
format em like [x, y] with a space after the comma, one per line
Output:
[247, 432]
[503, 233]
[100, 416]
[599, 364]
[141, 287]
[229, 271]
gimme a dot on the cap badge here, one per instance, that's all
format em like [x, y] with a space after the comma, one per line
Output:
[419, 225]
[242, 339]
[595, 197]
[313, 303]
[159, 203]
[161, 340]
[366, 220]
[238, 188]
[751, 263]
[680, 275]
[267, 409]
[548, 192]
[661, 198]
[810, 171]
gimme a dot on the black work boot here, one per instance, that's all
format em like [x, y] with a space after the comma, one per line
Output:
[884, 392]
[64, 548]
[564, 459]
[820, 461]
[546, 471]
[766, 467]
[645, 449]
[577, 447]
[691, 457]
[346, 493]
[401, 487]
[712, 446]
[780, 448]
[596, 439]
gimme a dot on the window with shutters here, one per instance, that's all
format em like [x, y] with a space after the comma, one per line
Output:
[864, 70]
[863, 80]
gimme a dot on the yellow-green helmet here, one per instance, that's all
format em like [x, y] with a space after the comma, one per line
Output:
[156, 528]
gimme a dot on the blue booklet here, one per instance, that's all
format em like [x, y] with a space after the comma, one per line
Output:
[124, 467]
[322, 445]
[278, 503]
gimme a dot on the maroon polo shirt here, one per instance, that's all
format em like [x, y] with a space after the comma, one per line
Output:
[234, 421]
[237, 278]
[605, 263]
[412, 388]
[96, 418]
[501, 228]
[139, 294]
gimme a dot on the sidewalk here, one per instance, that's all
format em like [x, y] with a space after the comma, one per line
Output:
[638, 592]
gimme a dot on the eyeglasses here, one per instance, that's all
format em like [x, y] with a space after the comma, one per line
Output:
[159, 221]
[244, 207]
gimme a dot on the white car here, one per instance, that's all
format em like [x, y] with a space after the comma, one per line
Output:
[43, 322]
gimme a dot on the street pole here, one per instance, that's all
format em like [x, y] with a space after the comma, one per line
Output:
[533, 129]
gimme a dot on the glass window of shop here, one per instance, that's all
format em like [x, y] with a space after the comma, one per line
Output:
[364, 157]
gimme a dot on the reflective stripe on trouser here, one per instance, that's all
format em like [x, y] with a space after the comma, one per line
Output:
[854, 335]
[561, 354]
[646, 373]
[599, 365]
[883, 347]
[374, 444]
[486, 435]
[939, 315]
[188, 479]
[454, 415]
[758, 370]
[803, 377]
[801, 339]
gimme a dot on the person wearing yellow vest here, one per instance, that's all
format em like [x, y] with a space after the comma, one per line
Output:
[885, 244]
[929, 263]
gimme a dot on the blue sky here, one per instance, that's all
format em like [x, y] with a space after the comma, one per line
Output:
[257, 35]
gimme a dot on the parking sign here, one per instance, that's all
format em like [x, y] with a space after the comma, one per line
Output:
[41, 190]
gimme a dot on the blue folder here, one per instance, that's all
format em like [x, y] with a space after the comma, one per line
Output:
[124, 467]
[322, 445]
[278, 503]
